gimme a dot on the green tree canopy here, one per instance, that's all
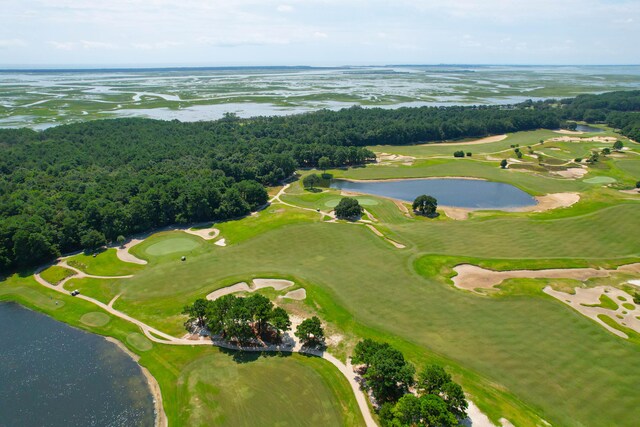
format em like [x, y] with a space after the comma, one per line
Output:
[311, 181]
[348, 208]
[310, 331]
[425, 205]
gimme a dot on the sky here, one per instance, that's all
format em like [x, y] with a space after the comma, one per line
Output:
[317, 32]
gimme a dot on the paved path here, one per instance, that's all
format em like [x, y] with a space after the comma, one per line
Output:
[291, 344]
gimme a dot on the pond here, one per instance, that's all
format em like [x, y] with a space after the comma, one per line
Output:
[587, 128]
[54, 375]
[462, 193]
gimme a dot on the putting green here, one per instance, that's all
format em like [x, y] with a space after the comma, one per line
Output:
[364, 201]
[600, 180]
[139, 341]
[171, 245]
[95, 318]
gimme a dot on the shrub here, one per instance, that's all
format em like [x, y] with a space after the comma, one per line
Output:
[458, 153]
[468, 153]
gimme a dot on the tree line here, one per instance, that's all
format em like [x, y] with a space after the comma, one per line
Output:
[76, 186]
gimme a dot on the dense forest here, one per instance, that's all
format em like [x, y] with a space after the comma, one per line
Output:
[80, 186]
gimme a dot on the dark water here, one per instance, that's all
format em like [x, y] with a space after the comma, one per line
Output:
[463, 193]
[54, 375]
[587, 128]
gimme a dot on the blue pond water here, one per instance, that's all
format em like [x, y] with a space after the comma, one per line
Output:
[587, 128]
[54, 375]
[462, 193]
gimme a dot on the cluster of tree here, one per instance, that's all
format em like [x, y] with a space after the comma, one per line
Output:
[348, 208]
[439, 401]
[238, 319]
[310, 332]
[77, 186]
[311, 181]
[425, 205]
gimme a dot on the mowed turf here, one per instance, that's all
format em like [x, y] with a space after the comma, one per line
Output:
[266, 390]
[172, 245]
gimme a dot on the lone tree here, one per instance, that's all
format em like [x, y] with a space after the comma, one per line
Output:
[503, 164]
[310, 181]
[120, 239]
[348, 208]
[324, 163]
[310, 331]
[425, 205]
[617, 145]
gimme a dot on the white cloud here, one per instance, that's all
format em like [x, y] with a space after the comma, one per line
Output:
[285, 8]
[7, 43]
[83, 44]
[320, 35]
[242, 40]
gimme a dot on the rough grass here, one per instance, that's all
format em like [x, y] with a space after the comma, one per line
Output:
[101, 289]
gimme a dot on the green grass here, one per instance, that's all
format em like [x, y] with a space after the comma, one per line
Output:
[217, 392]
[95, 318]
[600, 180]
[172, 246]
[139, 342]
[56, 274]
[101, 289]
[605, 302]
[628, 306]
[106, 263]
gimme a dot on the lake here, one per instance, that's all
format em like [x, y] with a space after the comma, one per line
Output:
[462, 193]
[54, 375]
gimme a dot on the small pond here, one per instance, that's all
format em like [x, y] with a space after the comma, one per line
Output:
[587, 128]
[54, 375]
[462, 193]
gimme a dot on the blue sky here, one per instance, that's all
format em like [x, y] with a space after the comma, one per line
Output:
[318, 32]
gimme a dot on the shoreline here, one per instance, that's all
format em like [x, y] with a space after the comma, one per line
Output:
[160, 417]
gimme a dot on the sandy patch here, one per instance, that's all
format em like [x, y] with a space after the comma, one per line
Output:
[160, 419]
[488, 139]
[475, 418]
[634, 192]
[634, 282]
[298, 294]
[402, 207]
[221, 242]
[603, 139]
[472, 277]
[569, 132]
[206, 233]
[572, 173]
[379, 233]
[551, 201]
[386, 158]
[459, 214]
[277, 284]
[582, 298]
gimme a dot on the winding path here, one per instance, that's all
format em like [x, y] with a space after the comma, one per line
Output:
[291, 343]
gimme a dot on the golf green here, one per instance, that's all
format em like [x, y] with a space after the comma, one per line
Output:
[600, 180]
[171, 245]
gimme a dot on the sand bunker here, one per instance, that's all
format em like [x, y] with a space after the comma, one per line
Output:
[583, 298]
[123, 254]
[471, 277]
[456, 213]
[277, 284]
[634, 282]
[221, 242]
[206, 233]
[572, 173]
[386, 158]
[488, 139]
[569, 132]
[603, 139]
[551, 201]
[298, 294]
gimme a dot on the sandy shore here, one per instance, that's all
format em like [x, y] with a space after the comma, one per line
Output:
[154, 387]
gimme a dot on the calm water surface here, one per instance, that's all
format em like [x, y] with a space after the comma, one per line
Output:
[587, 128]
[462, 193]
[54, 375]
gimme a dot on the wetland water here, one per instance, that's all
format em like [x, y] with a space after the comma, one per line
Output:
[54, 375]
[461, 193]
[587, 128]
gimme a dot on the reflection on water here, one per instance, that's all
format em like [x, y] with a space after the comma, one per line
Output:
[463, 193]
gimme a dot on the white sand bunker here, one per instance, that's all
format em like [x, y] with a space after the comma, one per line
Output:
[475, 418]
[551, 201]
[572, 173]
[206, 233]
[298, 294]
[386, 158]
[584, 298]
[221, 242]
[471, 277]
[603, 139]
[277, 284]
